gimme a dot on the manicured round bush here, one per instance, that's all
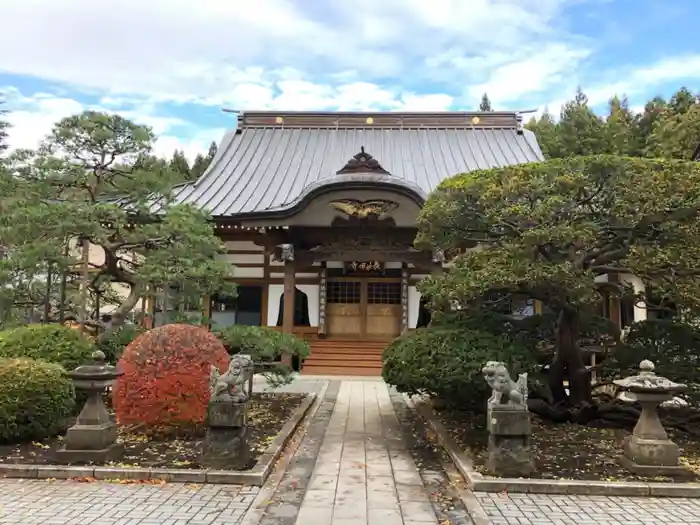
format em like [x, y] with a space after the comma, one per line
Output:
[113, 342]
[446, 363]
[166, 376]
[36, 399]
[51, 342]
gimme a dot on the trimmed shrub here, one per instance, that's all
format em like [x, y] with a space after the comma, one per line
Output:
[166, 376]
[673, 347]
[36, 399]
[446, 363]
[113, 342]
[51, 342]
[266, 345]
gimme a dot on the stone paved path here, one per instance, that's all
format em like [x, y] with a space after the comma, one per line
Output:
[353, 467]
[535, 509]
[36, 502]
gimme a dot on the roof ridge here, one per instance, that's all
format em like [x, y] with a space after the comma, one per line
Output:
[380, 120]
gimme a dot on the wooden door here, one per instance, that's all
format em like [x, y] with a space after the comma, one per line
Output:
[344, 311]
[383, 309]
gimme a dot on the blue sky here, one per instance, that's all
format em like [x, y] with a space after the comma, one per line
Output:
[173, 64]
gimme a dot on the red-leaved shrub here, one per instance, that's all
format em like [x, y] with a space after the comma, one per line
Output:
[166, 376]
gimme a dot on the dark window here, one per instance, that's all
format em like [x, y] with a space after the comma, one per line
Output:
[245, 308]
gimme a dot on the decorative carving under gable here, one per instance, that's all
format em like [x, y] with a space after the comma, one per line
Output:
[375, 209]
[284, 253]
[363, 162]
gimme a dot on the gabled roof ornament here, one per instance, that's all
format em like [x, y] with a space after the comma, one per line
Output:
[362, 163]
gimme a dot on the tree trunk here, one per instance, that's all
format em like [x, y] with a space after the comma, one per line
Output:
[569, 361]
[120, 313]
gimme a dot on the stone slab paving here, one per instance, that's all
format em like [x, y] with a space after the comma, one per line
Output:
[37, 502]
[536, 509]
[352, 467]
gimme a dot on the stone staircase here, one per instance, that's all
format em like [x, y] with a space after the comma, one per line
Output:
[344, 358]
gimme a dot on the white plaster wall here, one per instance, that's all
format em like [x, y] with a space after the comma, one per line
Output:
[243, 258]
[243, 245]
[247, 273]
[275, 292]
[640, 311]
[413, 306]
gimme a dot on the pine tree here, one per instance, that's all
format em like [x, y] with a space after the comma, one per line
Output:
[682, 101]
[546, 131]
[645, 122]
[580, 130]
[619, 128]
[179, 164]
[212, 152]
[199, 166]
[485, 104]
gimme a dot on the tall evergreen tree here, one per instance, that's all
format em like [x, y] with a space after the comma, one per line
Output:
[682, 101]
[580, 130]
[199, 166]
[485, 104]
[619, 128]
[179, 164]
[645, 122]
[211, 153]
[675, 135]
[546, 131]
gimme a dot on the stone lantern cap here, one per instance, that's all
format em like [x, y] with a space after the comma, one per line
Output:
[96, 375]
[648, 382]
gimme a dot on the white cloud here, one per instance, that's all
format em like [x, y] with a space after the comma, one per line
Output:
[639, 83]
[241, 54]
[31, 118]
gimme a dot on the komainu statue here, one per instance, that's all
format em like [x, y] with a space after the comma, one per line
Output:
[506, 392]
[231, 385]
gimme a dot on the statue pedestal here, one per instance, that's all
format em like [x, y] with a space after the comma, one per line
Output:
[93, 438]
[509, 445]
[226, 441]
[649, 451]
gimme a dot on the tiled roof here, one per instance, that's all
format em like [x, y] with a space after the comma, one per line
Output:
[273, 160]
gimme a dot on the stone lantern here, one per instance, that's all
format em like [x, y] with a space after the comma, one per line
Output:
[93, 438]
[649, 451]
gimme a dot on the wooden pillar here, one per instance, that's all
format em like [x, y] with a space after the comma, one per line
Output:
[405, 275]
[287, 255]
[322, 286]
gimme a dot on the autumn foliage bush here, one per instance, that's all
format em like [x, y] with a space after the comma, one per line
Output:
[166, 376]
